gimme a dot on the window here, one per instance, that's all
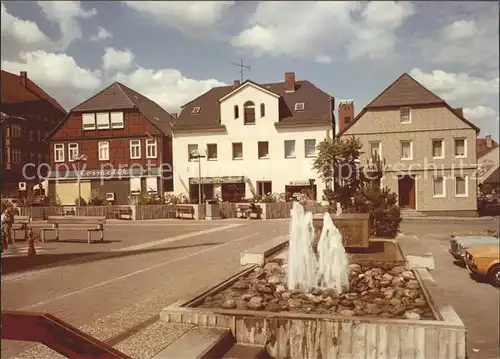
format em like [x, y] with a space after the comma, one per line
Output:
[152, 184]
[262, 110]
[263, 149]
[72, 151]
[88, 120]
[135, 149]
[135, 185]
[439, 186]
[16, 131]
[196, 110]
[310, 148]
[16, 155]
[212, 151]
[249, 114]
[289, 148]
[406, 150]
[437, 149]
[32, 135]
[39, 136]
[376, 149]
[460, 147]
[59, 152]
[461, 186]
[192, 149]
[151, 148]
[102, 120]
[237, 151]
[405, 115]
[264, 187]
[103, 151]
[299, 106]
[236, 112]
[117, 120]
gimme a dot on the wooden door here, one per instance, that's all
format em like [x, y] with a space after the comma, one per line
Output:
[406, 192]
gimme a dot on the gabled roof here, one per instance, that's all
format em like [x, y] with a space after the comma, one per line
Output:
[13, 91]
[482, 147]
[120, 97]
[494, 178]
[406, 91]
[246, 84]
[316, 106]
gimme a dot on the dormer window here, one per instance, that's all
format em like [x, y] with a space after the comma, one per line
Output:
[249, 113]
[196, 110]
[299, 106]
[236, 112]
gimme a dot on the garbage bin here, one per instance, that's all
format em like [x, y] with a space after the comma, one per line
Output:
[212, 210]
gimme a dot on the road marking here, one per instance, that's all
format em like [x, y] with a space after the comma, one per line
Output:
[97, 285]
[174, 239]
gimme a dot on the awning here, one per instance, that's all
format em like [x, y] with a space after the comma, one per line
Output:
[218, 180]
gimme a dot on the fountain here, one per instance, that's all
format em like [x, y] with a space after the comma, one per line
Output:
[318, 300]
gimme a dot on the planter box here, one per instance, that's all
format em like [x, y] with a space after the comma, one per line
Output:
[354, 227]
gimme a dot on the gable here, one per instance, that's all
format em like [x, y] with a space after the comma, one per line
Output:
[246, 85]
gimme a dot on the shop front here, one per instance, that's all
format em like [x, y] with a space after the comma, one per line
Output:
[293, 188]
[228, 188]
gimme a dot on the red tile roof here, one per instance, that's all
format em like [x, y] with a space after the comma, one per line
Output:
[494, 178]
[482, 148]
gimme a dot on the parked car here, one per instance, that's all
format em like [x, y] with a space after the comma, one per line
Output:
[485, 262]
[459, 244]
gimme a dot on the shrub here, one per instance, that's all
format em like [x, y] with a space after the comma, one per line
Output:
[96, 200]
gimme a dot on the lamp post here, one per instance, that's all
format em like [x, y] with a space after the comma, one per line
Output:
[199, 156]
[79, 159]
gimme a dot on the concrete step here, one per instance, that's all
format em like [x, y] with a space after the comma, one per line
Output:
[411, 213]
[199, 343]
[246, 351]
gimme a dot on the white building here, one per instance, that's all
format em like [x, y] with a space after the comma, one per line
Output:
[255, 138]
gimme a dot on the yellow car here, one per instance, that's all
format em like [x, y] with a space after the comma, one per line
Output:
[485, 261]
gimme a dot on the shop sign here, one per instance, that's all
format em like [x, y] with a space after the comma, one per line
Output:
[299, 183]
[218, 180]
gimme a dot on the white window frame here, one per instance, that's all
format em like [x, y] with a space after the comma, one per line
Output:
[401, 115]
[300, 106]
[151, 146]
[73, 151]
[149, 188]
[379, 145]
[411, 151]
[443, 195]
[258, 150]
[191, 148]
[16, 155]
[135, 189]
[87, 124]
[442, 148]
[305, 148]
[102, 120]
[135, 145]
[233, 153]
[294, 149]
[455, 147]
[59, 149]
[103, 145]
[466, 180]
[117, 120]
[216, 152]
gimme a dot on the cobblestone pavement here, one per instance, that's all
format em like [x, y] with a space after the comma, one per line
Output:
[120, 286]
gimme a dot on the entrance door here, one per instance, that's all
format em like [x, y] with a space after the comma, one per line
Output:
[406, 189]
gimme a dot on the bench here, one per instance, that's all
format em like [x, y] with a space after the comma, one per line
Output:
[96, 222]
[118, 212]
[182, 209]
[23, 222]
[247, 210]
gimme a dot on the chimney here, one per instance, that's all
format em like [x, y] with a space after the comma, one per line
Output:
[332, 114]
[346, 114]
[24, 78]
[289, 81]
[236, 84]
[489, 141]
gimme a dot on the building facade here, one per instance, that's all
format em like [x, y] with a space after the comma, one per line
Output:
[114, 146]
[28, 115]
[254, 138]
[429, 148]
[488, 155]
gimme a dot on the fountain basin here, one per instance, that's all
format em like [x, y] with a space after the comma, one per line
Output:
[289, 334]
[354, 228]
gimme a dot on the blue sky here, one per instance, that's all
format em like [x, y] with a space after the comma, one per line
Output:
[174, 51]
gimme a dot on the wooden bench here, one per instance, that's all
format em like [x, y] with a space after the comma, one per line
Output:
[20, 224]
[247, 210]
[182, 209]
[56, 221]
[118, 212]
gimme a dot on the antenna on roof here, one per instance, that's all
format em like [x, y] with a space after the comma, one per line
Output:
[242, 68]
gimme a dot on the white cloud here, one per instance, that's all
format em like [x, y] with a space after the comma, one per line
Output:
[461, 29]
[102, 34]
[18, 34]
[117, 59]
[190, 17]
[480, 113]
[58, 74]
[458, 87]
[167, 87]
[321, 28]
[66, 14]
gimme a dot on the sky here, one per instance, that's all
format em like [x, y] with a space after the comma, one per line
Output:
[174, 51]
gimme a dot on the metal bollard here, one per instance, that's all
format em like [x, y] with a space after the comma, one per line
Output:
[31, 243]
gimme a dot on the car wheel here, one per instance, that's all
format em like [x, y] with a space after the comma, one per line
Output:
[494, 275]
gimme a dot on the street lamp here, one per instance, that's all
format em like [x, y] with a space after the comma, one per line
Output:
[196, 154]
[79, 159]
